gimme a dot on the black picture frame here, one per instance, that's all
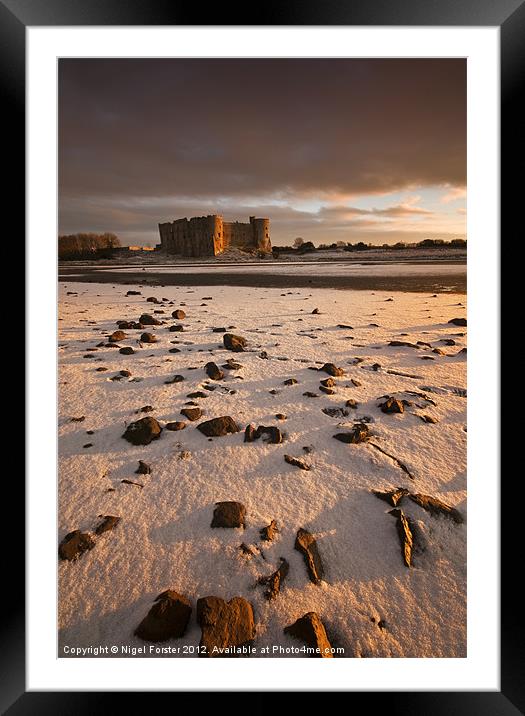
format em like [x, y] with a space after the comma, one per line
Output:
[509, 16]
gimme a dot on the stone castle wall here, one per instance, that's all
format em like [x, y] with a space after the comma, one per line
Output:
[211, 235]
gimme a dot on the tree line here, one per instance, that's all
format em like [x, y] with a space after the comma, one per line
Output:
[300, 246]
[87, 246]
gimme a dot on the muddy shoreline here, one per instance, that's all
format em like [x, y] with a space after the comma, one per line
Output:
[435, 283]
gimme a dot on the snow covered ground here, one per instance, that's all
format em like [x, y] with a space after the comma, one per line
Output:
[371, 604]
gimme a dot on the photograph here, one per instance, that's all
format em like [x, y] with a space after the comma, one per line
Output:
[262, 357]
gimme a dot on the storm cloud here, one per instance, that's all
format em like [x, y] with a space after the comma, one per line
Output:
[301, 141]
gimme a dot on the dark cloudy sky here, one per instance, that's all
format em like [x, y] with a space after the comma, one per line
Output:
[329, 150]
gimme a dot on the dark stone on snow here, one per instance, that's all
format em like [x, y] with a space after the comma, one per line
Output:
[296, 462]
[393, 497]
[148, 338]
[192, 413]
[405, 535]
[75, 544]
[392, 405]
[234, 343]
[218, 426]
[310, 629]
[332, 369]
[213, 371]
[268, 533]
[147, 320]
[458, 321]
[359, 434]
[167, 619]
[229, 514]
[274, 581]
[109, 522]
[225, 625]
[306, 544]
[436, 507]
[143, 431]
[177, 425]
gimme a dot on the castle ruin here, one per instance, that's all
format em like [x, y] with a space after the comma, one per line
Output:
[211, 235]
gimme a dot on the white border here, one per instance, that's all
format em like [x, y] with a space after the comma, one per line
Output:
[480, 670]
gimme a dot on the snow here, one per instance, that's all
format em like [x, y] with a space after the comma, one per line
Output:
[164, 539]
[335, 268]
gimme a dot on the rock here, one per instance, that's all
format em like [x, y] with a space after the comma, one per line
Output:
[332, 369]
[309, 394]
[152, 299]
[109, 522]
[148, 338]
[133, 293]
[177, 328]
[310, 629]
[316, 311]
[345, 325]
[306, 544]
[436, 507]
[192, 413]
[80, 419]
[448, 341]
[197, 394]
[218, 426]
[274, 434]
[249, 433]
[280, 416]
[218, 330]
[268, 533]
[117, 336]
[175, 379]
[403, 343]
[229, 514]
[290, 381]
[297, 462]
[143, 431]
[428, 419]
[101, 369]
[177, 425]
[359, 434]
[232, 365]
[225, 625]
[328, 382]
[336, 412]
[127, 351]
[234, 343]
[147, 320]
[146, 409]
[458, 321]
[355, 382]
[167, 619]
[213, 371]
[405, 535]
[75, 544]
[393, 497]
[143, 468]
[392, 405]
[351, 403]
[179, 314]
[439, 351]
[275, 580]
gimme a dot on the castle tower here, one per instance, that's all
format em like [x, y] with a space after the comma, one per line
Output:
[261, 234]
